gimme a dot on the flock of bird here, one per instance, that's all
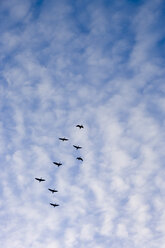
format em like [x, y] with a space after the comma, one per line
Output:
[59, 164]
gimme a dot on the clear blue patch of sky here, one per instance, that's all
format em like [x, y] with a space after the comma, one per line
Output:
[80, 16]
[105, 41]
[3, 82]
[9, 23]
[160, 51]
[36, 8]
[81, 24]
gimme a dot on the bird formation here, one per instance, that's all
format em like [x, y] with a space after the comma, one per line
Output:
[59, 164]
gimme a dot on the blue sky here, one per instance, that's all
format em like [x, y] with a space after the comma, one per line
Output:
[96, 63]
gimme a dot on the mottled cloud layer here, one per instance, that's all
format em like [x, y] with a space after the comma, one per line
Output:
[100, 64]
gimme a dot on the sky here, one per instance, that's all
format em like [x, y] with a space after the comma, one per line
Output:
[97, 63]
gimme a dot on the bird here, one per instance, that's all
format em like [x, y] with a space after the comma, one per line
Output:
[80, 126]
[58, 164]
[40, 179]
[77, 147]
[79, 158]
[63, 139]
[54, 205]
[53, 190]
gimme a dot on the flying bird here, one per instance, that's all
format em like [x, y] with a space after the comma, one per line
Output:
[77, 147]
[79, 158]
[53, 190]
[39, 179]
[54, 205]
[58, 164]
[63, 139]
[80, 126]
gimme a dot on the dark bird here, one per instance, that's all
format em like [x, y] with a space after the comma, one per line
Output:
[54, 205]
[77, 147]
[53, 190]
[80, 126]
[58, 164]
[63, 139]
[39, 179]
[79, 158]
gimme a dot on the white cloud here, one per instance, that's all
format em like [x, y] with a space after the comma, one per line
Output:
[63, 67]
[122, 231]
